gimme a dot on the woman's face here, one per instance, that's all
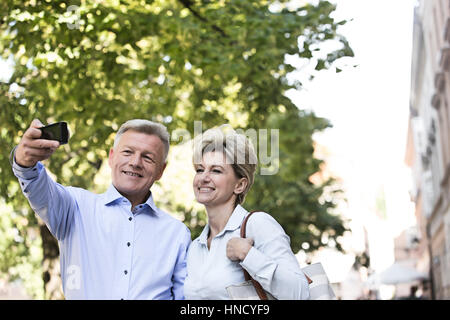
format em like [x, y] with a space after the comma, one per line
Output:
[215, 182]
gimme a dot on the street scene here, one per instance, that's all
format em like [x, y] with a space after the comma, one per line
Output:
[345, 105]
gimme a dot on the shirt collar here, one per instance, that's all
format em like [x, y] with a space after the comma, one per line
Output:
[234, 223]
[112, 196]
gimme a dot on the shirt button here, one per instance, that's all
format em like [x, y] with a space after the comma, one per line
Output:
[128, 244]
[130, 218]
[126, 272]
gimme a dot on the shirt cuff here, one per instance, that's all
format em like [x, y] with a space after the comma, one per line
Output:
[23, 172]
[257, 264]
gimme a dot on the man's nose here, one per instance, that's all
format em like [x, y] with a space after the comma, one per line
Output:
[135, 161]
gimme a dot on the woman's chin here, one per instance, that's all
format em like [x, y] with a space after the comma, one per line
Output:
[202, 201]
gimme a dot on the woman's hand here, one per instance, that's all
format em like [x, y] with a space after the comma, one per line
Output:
[238, 248]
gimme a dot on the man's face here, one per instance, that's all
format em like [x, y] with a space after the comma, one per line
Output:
[136, 163]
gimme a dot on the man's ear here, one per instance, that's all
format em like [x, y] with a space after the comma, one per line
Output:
[240, 185]
[162, 171]
[111, 154]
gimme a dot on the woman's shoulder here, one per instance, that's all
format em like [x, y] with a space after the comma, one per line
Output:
[261, 216]
[264, 222]
[265, 230]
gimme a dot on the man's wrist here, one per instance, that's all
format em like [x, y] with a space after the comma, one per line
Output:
[27, 166]
[13, 159]
[17, 165]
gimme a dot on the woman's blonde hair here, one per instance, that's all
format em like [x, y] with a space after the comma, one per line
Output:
[238, 151]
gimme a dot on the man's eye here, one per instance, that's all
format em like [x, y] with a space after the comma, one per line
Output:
[199, 170]
[217, 171]
[126, 151]
[149, 159]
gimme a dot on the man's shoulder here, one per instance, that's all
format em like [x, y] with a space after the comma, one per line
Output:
[171, 219]
[83, 194]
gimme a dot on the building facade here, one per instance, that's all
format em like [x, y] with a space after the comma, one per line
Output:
[428, 146]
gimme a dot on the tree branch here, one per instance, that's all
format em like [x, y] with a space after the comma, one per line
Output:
[188, 5]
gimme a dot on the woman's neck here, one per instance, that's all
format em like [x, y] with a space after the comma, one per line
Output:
[218, 217]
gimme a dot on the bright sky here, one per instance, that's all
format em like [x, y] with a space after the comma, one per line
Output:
[368, 107]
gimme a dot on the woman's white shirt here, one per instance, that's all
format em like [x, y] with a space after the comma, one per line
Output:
[270, 261]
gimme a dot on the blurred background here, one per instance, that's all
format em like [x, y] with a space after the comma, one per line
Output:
[359, 92]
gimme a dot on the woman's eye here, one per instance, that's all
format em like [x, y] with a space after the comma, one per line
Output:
[217, 171]
[198, 170]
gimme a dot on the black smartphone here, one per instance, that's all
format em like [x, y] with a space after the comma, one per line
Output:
[56, 131]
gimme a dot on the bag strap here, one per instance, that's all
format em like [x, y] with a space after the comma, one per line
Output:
[259, 290]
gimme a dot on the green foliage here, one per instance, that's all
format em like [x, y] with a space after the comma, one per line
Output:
[289, 195]
[20, 245]
[170, 61]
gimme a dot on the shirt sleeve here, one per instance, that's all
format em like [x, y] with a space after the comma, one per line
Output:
[49, 200]
[271, 261]
[180, 270]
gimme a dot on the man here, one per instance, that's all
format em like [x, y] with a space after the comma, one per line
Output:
[115, 245]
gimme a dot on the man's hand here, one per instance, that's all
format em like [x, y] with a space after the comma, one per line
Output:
[237, 248]
[32, 149]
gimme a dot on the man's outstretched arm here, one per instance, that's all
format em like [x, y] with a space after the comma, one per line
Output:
[51, 201]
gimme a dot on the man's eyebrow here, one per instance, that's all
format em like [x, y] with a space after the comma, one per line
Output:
[144, 152]
[148, 152]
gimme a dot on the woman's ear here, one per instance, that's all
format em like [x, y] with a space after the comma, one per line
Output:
[240, 185]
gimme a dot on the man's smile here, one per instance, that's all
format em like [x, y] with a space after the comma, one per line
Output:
[132, 174]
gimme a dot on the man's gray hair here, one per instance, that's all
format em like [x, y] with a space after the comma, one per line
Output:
[148, 127]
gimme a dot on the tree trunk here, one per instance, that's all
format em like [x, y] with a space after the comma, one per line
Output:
[50, 265]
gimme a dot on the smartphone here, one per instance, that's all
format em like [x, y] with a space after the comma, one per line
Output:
[56, 131]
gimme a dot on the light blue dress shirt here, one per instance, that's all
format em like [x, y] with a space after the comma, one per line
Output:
[270, 261]
[108, 251]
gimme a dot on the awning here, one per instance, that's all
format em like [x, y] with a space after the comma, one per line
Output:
[395, 274]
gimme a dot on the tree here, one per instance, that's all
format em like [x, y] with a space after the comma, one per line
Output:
[96, 64]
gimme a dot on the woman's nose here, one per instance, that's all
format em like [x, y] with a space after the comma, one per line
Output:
[205, 177]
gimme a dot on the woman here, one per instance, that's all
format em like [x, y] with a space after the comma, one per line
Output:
[216, 258]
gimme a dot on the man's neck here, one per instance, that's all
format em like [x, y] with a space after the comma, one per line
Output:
[137, 200]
